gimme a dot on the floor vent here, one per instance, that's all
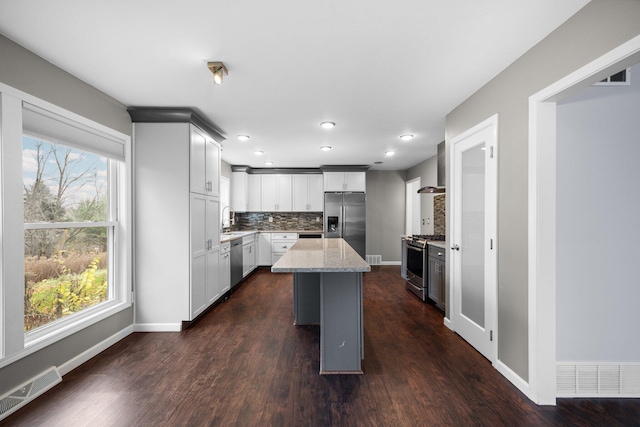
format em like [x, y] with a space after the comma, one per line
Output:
[598, 380]
[374, 259]
[28, 391]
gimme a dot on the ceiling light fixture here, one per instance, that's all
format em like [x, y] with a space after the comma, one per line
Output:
[258, 152]
[268, 163]
[325, 148]
[243, 137]
[389, 153]
[327, 125]
[218, 69]
[407, 137]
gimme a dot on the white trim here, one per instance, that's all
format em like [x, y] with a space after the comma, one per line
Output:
[541, 227]
[391, 263]
[25, 97]
[515, 379]
[78, 360]
[157, 327]
[448, 323]
[61, 333]
[88, 224]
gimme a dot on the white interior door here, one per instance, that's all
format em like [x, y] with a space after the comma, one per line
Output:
[473, 236]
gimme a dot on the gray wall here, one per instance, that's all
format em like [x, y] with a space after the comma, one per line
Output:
[225, 169]
[428, 173]
[385, 213]
[595, 30]
[25, 71]
[598, 227]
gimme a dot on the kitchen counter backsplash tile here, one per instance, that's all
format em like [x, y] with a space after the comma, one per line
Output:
[281, 221]
[439, 226]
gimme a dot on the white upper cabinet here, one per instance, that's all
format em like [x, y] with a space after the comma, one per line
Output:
[284, 184]
[355, 181]
[254, 193]
[276, 193]
[345, 181]
[308, 193]
[205, 163]
[239, 191]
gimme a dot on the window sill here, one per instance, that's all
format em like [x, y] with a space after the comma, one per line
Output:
[66, 327]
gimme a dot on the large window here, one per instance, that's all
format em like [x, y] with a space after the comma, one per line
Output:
[65, 223]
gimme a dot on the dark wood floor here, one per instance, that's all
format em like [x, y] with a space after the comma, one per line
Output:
[245, 364]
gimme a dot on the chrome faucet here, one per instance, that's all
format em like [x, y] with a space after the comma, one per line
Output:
[233, 215]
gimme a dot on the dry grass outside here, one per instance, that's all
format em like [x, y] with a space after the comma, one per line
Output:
[37, 269]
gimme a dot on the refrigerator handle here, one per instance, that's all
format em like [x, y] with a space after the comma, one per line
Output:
[344, 221]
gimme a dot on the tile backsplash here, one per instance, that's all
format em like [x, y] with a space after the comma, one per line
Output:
[311, 221]
[439, 224]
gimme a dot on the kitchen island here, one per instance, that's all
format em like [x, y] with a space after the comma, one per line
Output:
[327, 290]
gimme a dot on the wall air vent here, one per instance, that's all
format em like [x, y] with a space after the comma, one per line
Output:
[623, 78]
[20, 396]
[598, 379]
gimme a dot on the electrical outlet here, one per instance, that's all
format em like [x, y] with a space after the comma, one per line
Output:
[317, 219]
[270, 219]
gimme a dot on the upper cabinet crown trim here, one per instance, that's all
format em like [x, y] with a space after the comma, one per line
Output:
[173, 115]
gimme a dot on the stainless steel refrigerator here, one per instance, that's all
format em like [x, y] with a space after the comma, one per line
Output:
[344, 216]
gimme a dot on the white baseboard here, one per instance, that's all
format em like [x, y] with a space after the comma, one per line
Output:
[390, 263]
[157, 327]
[514, 378]
[448, 323]
[70, 365]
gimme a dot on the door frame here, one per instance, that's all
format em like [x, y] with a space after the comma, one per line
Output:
[491, 223]
[542, 214]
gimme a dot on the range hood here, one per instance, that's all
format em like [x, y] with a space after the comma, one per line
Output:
[441, 174]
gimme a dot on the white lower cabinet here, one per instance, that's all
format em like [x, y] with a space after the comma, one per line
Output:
[225, 268]
[280, 243]
[248, 254]
[264, 249]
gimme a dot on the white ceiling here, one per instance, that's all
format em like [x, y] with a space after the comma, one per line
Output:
[378, 69]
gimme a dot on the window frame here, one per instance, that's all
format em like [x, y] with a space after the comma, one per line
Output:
[15, 343]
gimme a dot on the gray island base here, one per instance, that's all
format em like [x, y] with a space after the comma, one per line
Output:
[327, 290]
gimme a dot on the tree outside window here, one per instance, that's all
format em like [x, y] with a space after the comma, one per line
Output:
[67, 228]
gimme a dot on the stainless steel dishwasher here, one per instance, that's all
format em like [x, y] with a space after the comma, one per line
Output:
[236, 262]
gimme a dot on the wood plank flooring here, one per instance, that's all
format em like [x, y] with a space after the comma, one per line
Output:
[245, 364]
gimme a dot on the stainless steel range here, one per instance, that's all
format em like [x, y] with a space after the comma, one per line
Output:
[415, 257]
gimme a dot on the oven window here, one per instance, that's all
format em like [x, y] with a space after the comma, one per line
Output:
[415, 260]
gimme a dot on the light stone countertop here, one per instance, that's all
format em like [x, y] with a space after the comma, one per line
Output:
[225, 237]
[320, 256]
[441, 245]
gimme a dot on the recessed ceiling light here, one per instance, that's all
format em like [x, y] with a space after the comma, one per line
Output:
[258, 152]
[325, 148]
[268, 163]
[243, 137]
[389, 153]
[327, 125]
[406, 137]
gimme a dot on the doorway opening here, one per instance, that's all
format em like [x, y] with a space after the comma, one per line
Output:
[543, 221]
